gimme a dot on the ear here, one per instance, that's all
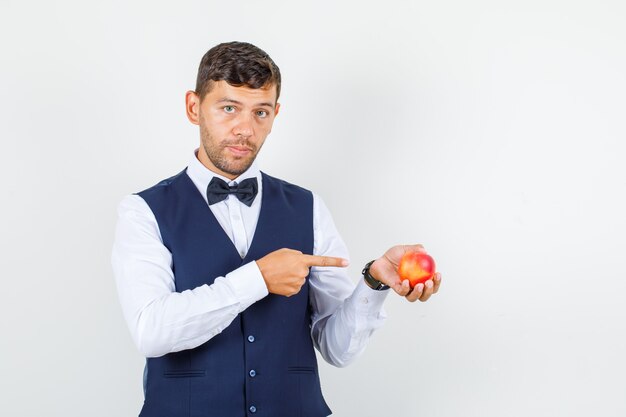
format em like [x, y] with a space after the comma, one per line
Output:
[192, 106]
[276, 109]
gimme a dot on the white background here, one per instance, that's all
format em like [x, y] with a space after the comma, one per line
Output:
[490, 131]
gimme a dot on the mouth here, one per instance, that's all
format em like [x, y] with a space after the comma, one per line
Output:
[238, 150]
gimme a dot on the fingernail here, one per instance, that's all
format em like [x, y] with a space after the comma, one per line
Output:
[345, 262]
[419, 287]
[429, 284]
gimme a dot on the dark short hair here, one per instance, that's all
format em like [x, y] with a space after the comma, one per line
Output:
[239, 64]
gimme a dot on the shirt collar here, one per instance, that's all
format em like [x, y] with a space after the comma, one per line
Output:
[201, 175]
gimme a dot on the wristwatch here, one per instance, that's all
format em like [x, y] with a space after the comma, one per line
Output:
[372, 282]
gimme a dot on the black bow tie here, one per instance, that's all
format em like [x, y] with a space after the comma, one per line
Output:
[245, 191]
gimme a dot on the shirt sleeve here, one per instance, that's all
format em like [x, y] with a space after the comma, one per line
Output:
[344, 316]
[160, 319]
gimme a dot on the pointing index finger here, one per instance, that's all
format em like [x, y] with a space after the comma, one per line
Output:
[313, 260]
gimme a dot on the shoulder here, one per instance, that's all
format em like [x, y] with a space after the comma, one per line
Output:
[273, 182]
[163, 185]
[133, 207]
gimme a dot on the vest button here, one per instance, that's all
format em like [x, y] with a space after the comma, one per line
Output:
[250, 338]
[252, 409]
[252, 373]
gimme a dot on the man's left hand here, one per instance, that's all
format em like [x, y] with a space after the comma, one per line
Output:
[385, 269]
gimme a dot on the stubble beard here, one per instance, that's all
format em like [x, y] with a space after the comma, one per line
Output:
[217, 153]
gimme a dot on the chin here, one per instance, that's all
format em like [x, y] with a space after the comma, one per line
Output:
[237, 169]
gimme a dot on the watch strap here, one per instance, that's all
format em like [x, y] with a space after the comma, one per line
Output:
[372, 282]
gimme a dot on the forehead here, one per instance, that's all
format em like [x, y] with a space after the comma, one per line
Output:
[222, 91]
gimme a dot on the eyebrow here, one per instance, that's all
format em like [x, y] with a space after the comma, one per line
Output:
[230, 100]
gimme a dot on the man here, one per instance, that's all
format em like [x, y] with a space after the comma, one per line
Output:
[229, 277]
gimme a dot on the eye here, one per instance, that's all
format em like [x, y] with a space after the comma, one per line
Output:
[229, 109]
[261, 113]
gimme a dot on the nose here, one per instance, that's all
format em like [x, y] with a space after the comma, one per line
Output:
[243, 127]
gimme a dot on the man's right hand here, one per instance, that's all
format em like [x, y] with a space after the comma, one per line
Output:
[285, 270]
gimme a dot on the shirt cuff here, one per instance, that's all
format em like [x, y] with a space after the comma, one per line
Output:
[247, 284]
[368, 300]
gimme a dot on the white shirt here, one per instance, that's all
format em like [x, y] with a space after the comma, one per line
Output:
[162, 320]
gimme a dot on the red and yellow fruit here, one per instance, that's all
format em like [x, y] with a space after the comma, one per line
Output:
[417, 267]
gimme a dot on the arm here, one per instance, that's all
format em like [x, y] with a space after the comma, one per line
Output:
[344, 316]
[160, 319]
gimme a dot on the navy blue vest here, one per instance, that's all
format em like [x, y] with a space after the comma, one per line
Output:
[263, 363]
